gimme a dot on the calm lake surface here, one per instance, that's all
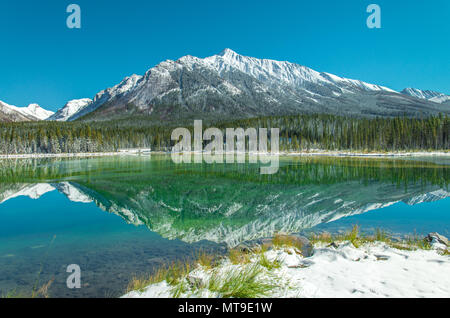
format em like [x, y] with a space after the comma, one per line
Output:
[122, 216]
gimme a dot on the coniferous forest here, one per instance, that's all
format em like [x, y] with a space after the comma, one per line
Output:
[297, 133]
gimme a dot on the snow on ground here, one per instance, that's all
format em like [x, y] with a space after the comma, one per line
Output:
[305, 153]
[372, 270]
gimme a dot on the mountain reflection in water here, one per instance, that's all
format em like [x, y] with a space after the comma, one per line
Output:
[226, 203]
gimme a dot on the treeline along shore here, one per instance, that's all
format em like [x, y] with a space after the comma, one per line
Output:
[297, 133]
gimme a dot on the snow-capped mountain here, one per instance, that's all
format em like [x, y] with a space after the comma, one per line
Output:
[70, 108]
[9, 114]
[230, 85]
[432, 96]
[15, 114]
[36, 111]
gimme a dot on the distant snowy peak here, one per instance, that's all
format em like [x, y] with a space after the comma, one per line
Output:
[432, 96]
[35, 111]
[31, 113]
[70, 108]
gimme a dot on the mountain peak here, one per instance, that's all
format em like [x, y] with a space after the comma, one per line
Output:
[34, 107]
[227, 52]
[70, 108]
[37, 112]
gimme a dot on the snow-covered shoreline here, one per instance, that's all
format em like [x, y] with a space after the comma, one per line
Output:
[60, 155]
[374, 269]
[299, 154]
[75, 155]
[371, 154]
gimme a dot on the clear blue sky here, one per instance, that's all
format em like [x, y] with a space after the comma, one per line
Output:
[43, 61]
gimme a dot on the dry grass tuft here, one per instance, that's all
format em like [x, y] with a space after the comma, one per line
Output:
[237, 257]
[283, 240]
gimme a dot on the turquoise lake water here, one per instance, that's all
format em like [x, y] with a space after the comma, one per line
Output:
[122, 216]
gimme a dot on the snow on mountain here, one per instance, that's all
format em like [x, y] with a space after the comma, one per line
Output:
[440, 99]
[34, 110]
[420, 93]
[108, 94]
[289, 73]
[230, 85]
[31, 113]
[70, 108]
[9, 114]
[432, 96]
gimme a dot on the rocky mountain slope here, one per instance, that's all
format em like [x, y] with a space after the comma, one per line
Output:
[229, 85]
[71, 108]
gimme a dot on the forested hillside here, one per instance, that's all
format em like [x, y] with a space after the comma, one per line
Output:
[300, 132]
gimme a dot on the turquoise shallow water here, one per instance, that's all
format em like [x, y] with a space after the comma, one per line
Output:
[119, 217]
[54, 232]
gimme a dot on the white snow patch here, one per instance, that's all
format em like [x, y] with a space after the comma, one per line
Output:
[373, 270]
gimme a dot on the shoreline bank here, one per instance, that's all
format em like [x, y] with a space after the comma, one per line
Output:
[347, 268]
[63, 155]
[293, 154]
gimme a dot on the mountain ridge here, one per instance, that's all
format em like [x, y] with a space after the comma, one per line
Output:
[232, 86]
[237, 86]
